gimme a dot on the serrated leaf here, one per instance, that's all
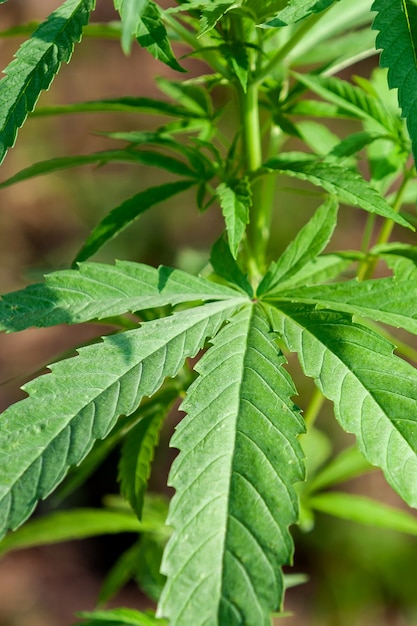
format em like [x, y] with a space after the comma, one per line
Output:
[120, 617]
[69, 525]
[137, 455]
[235, 202]
[239, 456]
[80, 401]
[151, 34]
[401, 258]
[35, 65]
[126, 213]
[130, 12]
[354, 143]
[298, 10]
[373, 391]
[153, 159]
[364, 511]
[386, 300]
[310, 241]
[97, 291]
[226, 266]
[212, 13]
[396, 21]
[319, 270]
[349, 186]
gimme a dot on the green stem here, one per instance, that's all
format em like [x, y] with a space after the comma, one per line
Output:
[368, 267]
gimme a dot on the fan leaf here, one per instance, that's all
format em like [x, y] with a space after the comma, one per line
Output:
[239, 457]
[80, 401]
[35, 65]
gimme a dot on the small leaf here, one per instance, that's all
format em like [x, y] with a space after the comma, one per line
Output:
[310, 241]
[239, 457]
[128, 104]
[121, 573]
[193, 97]
[70, 525]
[97, 291]
[364, 511]
[235, 202]
[349, 464]
[349, 186]
[226, 267]
[130, 13]
[119, 617]
[152, 35]
[298, 10]
[80, 401]
[354, 143]
[212, 13]
[35, 65]
[396, 21]
[126, 213]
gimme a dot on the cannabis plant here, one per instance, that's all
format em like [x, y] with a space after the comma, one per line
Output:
[220, 340]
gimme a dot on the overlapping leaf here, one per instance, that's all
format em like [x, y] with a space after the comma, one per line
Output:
[35, 65]
[298, 10]
[374, 392]
[96, 291]
[349, 186]
[80, 401]
[396, 21]
[235, 202]
[152, 35]
[239, 457]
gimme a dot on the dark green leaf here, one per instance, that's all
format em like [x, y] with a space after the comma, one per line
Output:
[226, 266]
[121, 573]
[298, 10]
[151, 34]
[126, 213]
[127, 104]
[36, 63]
[396, 21]
[131, 12]
[235, 202]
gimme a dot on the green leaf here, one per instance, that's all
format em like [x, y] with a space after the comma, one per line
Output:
[127, 104]
[120, 617]
[36, 63]
[239, 456]
[351, 99]
[148, 575]
[193, 97]
[349, 186]
[298, 10]
[153, 159]
[131, 12]
[310, 241]
[70, 525]
[354, 143]
[235, 202]
[373, 391]
[386, 300]
[226, 267]
[349, 464]
[318, 271]
[151, 34]
[121, 573]
[364, 511]
[126, 213]
[80, 401]
[98, 291]
[396, 21]
[400, 257]
[137, 455]
[212, 13]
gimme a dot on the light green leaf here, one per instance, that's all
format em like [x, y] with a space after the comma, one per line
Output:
[193, 97]
[153, 159]
[126, 213]
[401, 258]
[310, 241]
[70, 525]
[239, 457]
[98, 291]
[298, 10]
[386, 300]
[131, 12]
[354, 100]
[349, 464]
[364, 511]
[235, 202]
[349, 186]
[151, 34]
[212, 13]
[80, 401]
[396, 21]
[120, 617]
[373, 391]
[354, 143]
[337, 49]
[35, 65]
[319, 270]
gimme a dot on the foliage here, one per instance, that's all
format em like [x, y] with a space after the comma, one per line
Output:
[250, 465]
